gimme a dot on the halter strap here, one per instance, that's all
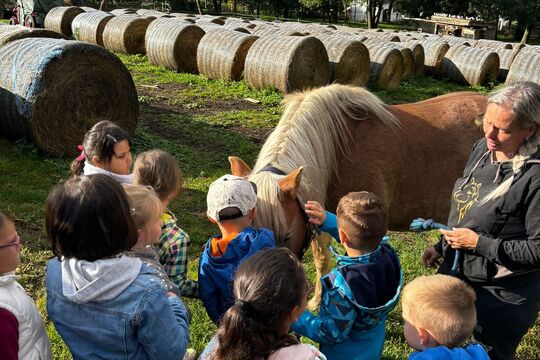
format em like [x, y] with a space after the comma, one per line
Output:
[272, 169]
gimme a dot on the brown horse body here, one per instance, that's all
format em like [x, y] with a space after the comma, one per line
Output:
[338, 139]
[413, 168]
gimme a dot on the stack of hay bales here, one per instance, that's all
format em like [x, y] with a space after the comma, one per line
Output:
[382, 36]
[9, 33]
[525, 68]
[287, 63]
[349, 60]
[468, 65]
[91, 26]
[419, 57]
[60, 89]
[434, 51]
[151, 13]
[386, 66]
[119, 12]
[126, 34]
[222, 53]
[457, 41]
[275, 31]
[531, 49]
[173, 44]
[59, 19]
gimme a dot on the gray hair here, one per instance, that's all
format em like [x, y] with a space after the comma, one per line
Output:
[523, 99]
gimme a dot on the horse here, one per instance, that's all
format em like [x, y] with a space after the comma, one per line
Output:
[337, 139]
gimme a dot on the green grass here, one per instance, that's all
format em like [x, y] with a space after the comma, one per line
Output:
[201, 122]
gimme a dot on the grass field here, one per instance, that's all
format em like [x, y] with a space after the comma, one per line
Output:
[200, 122]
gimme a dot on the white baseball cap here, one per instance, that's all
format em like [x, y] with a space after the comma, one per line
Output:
[230, 191]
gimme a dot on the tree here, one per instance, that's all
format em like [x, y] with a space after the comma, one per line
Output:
[417, 8]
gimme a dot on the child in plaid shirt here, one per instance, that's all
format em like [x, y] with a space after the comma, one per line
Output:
[159, 170]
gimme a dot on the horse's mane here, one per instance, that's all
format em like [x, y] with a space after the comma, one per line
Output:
[311, 133]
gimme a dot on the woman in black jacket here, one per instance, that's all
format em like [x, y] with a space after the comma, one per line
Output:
[495, 221]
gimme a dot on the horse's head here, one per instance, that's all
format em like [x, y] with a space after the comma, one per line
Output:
[278, 206]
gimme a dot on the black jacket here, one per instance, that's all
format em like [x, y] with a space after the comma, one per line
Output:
[507, 254]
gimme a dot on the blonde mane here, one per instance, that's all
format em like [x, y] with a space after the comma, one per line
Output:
[311, 133]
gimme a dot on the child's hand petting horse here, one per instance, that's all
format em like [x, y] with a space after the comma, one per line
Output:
[316, 213]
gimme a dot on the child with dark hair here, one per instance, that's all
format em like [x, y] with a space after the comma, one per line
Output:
[270, 292]
[22, 334]
[231, 204]
[364, 287]
[105, 150]
[160, 170]
[103, 304]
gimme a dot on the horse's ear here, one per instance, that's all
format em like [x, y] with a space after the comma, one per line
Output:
[239, 167]
[290, 183]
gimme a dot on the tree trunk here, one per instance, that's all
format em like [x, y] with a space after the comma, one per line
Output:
[377, 14]
[102, 5]
[526, 34]
[234, 7]
[390, 6]
[345, 12]
[198, 6]
[368, 14]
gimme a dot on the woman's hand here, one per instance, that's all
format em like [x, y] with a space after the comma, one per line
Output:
[431, 257]
[316, 213]
[461, 238]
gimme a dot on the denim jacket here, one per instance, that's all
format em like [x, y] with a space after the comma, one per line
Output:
[138, 323]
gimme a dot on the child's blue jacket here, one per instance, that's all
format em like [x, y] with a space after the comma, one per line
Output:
[216, 273]
[469, 352]
[356, 299]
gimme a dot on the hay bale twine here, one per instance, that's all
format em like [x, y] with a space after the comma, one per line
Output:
[126, 34]
[349, 60]
[59, 19]
[12, 33]
[92, 25]
[62, 88]
[506, 58]
[287, 63]
[525, 68]
[386, 67]
[222, 54]
[173, 44]
[492, 44]
[434, 51]
[470, 65]
[419, 57]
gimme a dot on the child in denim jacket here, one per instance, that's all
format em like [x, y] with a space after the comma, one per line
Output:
[105, 305]
[364, 287]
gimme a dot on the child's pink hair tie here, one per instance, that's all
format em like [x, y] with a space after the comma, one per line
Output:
[82, 156]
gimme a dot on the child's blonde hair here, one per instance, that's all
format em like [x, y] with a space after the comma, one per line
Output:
[362, 216]
[145, 204]
[442, 305]
[158, 169]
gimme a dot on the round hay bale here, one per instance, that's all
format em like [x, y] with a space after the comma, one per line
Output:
[506, 58]
[92, 25]
[173, 44]
[88, 8]
[222, 54]
[118, 12]
[434, 51]
[21, 32]
[126, 34]
[62, 88]
[419, 57]
[382, 36]
[153, 13]
[406, 53]
[232, 22]
[455, 41]
[531, 49]
[59, 19]
[386, 67]
[470, 65]
[349, 60]
[492, 44]
[266, 32]
[215, 20]
[525, 68]
[287, 63]
[208, 26]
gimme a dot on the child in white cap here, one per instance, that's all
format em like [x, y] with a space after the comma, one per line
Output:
[231, 202]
